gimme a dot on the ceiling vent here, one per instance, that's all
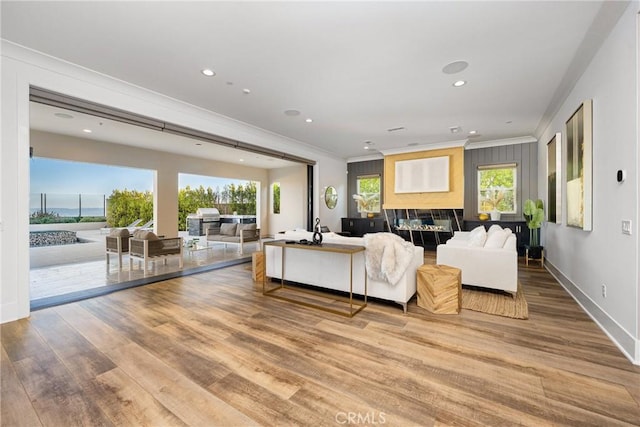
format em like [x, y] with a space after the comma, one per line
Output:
[395, 129]
[455, 129]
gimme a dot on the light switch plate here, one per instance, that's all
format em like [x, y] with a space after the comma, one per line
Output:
[626, 226]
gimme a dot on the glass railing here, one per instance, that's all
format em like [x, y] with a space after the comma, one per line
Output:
[68, 205]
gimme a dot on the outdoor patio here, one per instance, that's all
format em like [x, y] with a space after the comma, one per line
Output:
[74, 269]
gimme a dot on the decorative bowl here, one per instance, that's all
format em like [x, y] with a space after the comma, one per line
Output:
[483, 217]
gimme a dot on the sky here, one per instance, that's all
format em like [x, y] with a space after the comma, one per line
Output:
[61, 177]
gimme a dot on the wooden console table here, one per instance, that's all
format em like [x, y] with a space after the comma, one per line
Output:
[326, 247]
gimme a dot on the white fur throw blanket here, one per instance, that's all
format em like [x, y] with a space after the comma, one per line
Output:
[387, 256]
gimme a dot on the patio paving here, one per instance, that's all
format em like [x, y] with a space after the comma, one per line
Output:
[66, 269]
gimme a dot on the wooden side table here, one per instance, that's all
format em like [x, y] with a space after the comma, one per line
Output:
[257, 266]
[440, 289]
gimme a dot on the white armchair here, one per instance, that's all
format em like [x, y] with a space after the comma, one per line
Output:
[489, 262]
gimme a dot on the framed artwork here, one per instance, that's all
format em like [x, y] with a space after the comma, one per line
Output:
[580, 167]
[554, 179]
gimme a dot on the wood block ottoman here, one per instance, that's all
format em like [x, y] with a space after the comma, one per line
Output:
[439, 289]
[257, 266]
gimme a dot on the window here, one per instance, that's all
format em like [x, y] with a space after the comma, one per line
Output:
[275, 192]
[368, 189]
[497, 188]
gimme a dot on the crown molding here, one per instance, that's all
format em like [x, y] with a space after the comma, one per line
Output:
[375, 156]
[499, 142]
[426, 147]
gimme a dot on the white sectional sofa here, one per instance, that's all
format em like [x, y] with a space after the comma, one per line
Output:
[331, 270]
[487, 259]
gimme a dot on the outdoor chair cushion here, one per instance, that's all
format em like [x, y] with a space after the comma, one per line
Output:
[119, 232]
[145, 235]
[242, 227]
[228, 229]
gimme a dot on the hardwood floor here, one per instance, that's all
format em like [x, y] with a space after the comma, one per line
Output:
[209, 349]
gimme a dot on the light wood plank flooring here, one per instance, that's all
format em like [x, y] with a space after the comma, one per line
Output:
[209, 350]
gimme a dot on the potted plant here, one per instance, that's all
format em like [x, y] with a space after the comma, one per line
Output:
[534, 215]
[494, 196]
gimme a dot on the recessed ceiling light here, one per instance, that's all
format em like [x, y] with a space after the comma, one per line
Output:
[291, 113]
[63, 115]
[460, 83]
[509, 122]
[366, 147]
[246, 91]
[87, 130]
[229, 83]
[308, 120]
[455, 129]
[242, 160]
[208, 72]
[198, 144]
[455, 67]
[473, 132]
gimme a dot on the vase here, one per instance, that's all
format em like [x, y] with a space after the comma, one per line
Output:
[363, 214]
[495, 216]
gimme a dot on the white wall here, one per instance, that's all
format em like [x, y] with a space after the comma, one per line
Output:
[293, 191]
[22, 68]
[293, 197]
[581, 260]
[331, 174]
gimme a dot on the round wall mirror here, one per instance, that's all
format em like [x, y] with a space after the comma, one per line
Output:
[330, 197]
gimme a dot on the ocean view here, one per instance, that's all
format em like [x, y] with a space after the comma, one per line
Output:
[72, 212]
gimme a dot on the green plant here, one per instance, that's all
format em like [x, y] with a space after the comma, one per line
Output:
[50, 218]
[534, 215]
[125, 206]
[93, 219]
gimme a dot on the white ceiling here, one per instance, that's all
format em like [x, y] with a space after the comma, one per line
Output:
[46, 118]
[355, 68]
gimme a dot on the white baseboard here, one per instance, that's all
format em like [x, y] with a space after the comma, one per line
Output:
[627, 343]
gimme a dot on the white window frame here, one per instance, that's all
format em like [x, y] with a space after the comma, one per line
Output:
[378, 207]
[484, 168]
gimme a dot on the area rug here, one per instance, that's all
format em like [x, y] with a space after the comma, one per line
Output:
[495, 302]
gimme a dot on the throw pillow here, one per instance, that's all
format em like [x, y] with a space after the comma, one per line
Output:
[119, 232]
[496, 239]
[242, 227]
[493, 229]
[477, 237]
[148, 235]
[228, 229]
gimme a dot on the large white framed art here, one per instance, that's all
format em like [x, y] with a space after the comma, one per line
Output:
[554, 179]
[428, 175]
[580, 167]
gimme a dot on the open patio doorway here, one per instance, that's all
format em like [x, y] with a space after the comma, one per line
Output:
[84, 131]
[73, 206]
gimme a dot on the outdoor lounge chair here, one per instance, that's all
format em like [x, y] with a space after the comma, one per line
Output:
[146, 226]
[117, 242]
[146, 246]
[107, 230]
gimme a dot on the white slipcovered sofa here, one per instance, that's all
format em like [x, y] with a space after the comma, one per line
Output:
[331, 270]
[488, 259]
